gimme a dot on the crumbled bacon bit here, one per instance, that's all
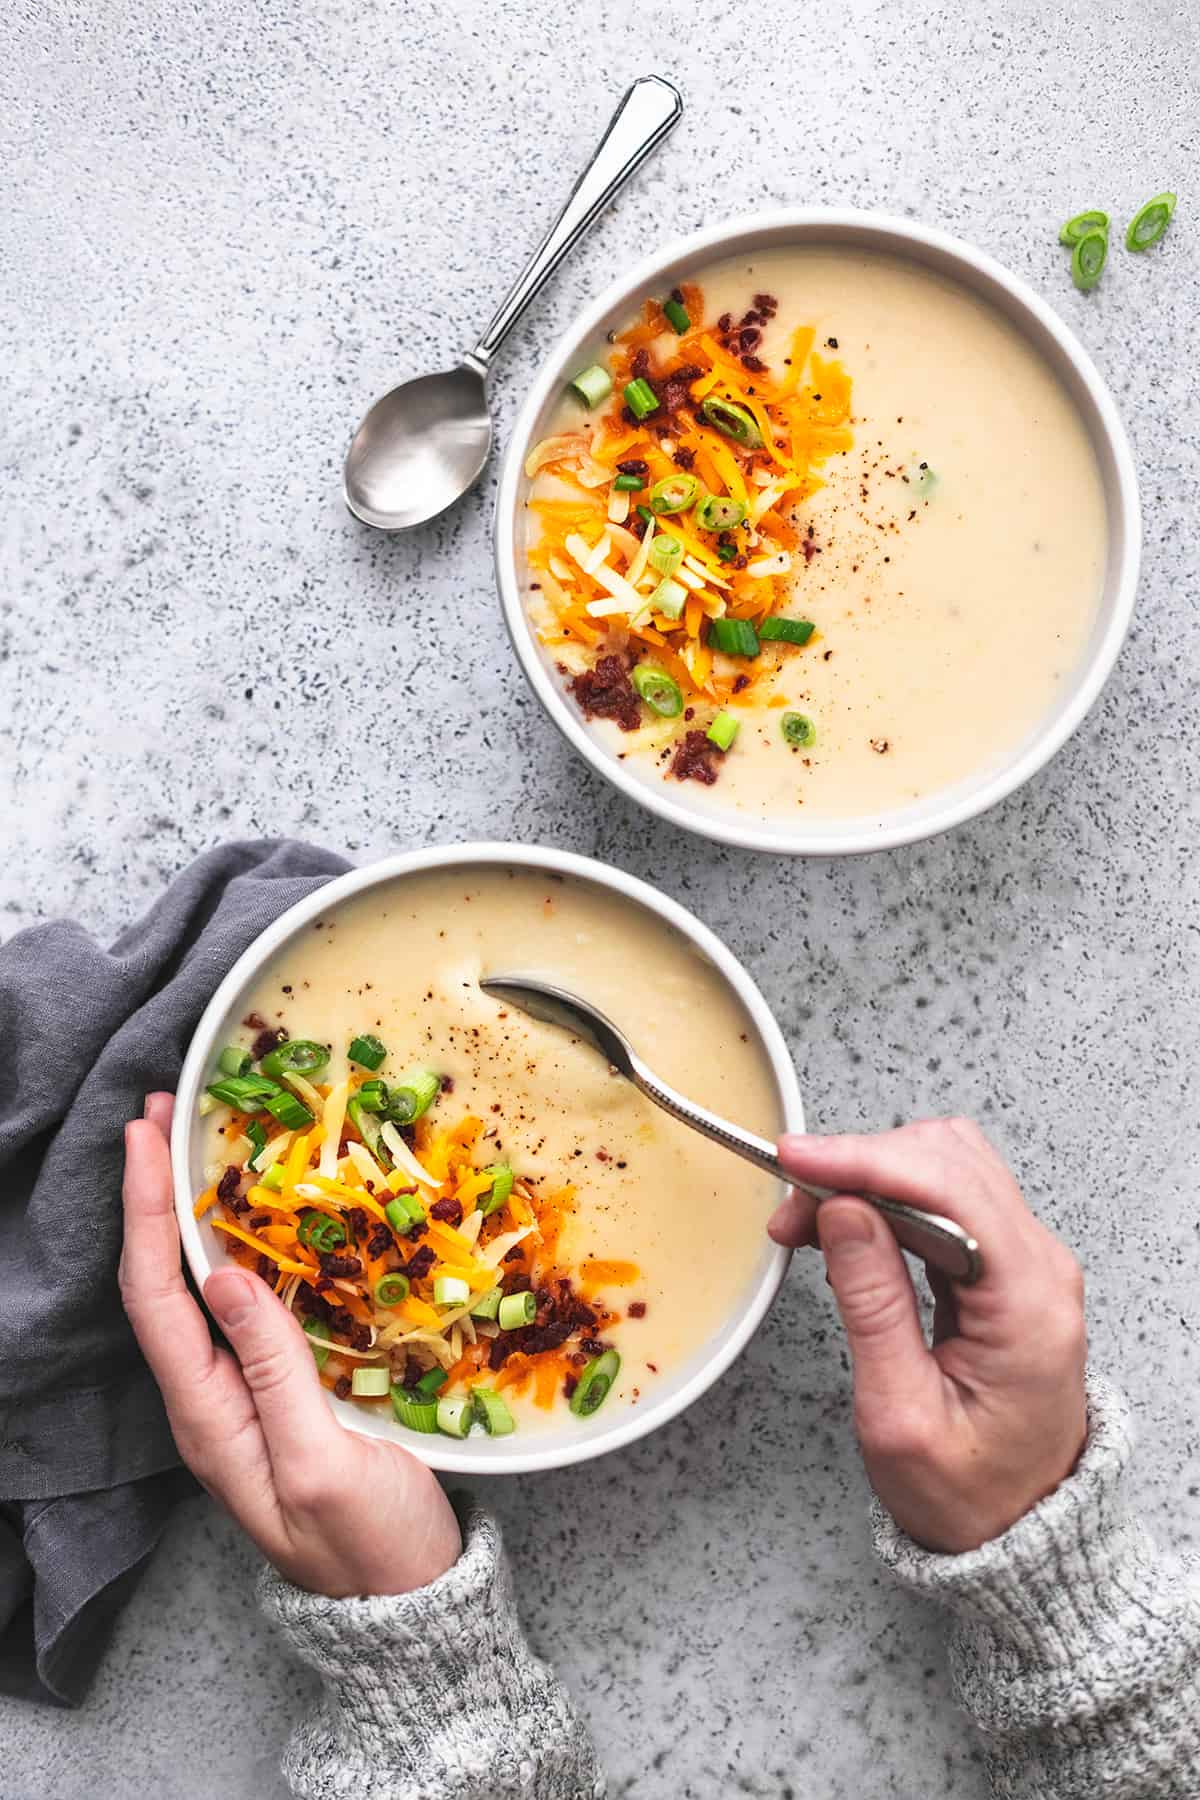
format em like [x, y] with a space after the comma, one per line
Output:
[336, 1264]
[449, 1212]
[341, 1319]
[341, 1387]
[725, 321]
[766, 303]
[379, 1241]
[695, 759]
[755, 364]
[570, 1383]
[810, 549]
[640, 366]
[254, 1022]
[637, 1309]
[447, 1084]
[420, 1263]
[257, 1220]
[593, 1346]
[358, 1222]
[230, 1183]
[633, 465]
[879, 746]
[751, 337]
[685, 457]
[264, 1268]
[360, 1336]
[267, 1040]
[606, 692]
[676, 389]
[741, 683]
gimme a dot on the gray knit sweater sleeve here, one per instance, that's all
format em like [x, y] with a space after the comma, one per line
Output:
[433, 1695]
[1075, 1646]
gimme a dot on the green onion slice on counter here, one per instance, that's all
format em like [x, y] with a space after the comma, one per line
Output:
[418, 1415]
[641, 398]
[502, 1186]
[391, 1289]
[298, 1056]
[798, 730]
[677, 316]
[370, 1383]
[594, 1384]
[455, 1417]
[659, 690]
[492, 1413]
[732, 421]
[723, 730]
[733, 637]
[1149, 222]
[367, 1051]
[1080, 225]
[665, 553]
[317, 1231]
[1088, 259]
[413, 1095]
[288, 1111]
[517, 1310]
[318, 1334]
[674, 494]
[592, 385]
[629, 484]
[233, 1060]
[715, 513]
[488, 1305]
[786, 631]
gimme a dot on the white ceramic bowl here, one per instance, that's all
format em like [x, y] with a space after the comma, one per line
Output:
[584, 342]
[575, 1440]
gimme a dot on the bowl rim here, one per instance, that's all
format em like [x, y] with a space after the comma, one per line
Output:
[889, 232]
[442, 1453]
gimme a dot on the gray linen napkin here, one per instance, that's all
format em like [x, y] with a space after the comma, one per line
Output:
[88, 1470]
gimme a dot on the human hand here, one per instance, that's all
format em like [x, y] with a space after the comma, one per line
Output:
[336, 1513]
[961, 1439]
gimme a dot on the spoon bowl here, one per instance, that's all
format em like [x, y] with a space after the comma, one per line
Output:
[418, 449]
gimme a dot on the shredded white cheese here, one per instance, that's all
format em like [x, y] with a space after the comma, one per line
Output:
[333, 1118]
[307, 1093]
[618, 506]
[404, 1159]
[366, 1165]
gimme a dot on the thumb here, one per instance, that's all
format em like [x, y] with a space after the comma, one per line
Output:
[276, 1361]
[876, 1300]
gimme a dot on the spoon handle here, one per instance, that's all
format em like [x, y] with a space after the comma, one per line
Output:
[935, 1239]
[648, 111]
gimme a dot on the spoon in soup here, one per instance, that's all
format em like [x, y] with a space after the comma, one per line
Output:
[937, 1240]
[422, 446]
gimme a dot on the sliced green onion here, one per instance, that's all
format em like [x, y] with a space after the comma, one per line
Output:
[403, 1213]
[732, 421]
[594, 1383]
[643, 512]
[273, 1179]
[1088, 259]
[677, 316]
[367, 1051]
[418, 1415]
[391, 1289]
[660, 692]
[1149, 222]
[492, 1413]
[591, 385]
[665, 553]
[669, 598]
[370, 1383]
[290, 1112]
[502, 1186]
[1080, 225]
[723, 730]
[451, 1290]
[517, 1310]
[629, 484]
[726, 552]
[258, 1140]
[488, 1305]
[432, 1381]
[318, 1334]
[373, 1095]
[673, 494]
[317, 1231]
[414, 1095]
[455, 1417]
[247, 1093]
[734, 637]
[715, 513]
[798, 730]
[364, 1122]
[786, 631]
[641, 398]
[299, 1056]
[233, 1060]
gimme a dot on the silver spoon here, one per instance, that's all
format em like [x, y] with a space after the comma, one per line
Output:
[422, 446]
[935, 1239]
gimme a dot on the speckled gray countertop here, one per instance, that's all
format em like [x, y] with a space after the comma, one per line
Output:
[227, 228]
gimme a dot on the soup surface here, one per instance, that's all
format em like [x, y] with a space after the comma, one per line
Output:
[663, 1232]
[945, 538]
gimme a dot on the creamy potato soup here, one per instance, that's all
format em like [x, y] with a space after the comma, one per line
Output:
[821, 536]
[480, 1225]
